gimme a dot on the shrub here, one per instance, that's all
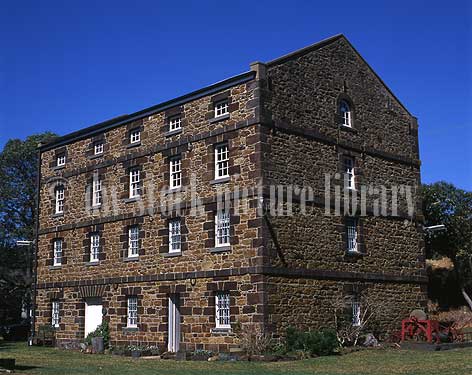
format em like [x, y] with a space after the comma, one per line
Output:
[101, 331]
[323, 342]
[252, 340]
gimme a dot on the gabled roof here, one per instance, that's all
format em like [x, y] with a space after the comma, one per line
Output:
[323, 43]
[208, 90]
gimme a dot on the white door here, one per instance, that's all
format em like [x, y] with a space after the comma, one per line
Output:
[174, 324]
[93, 314]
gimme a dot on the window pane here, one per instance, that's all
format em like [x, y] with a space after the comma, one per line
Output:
[133, 241]
[175, 172]
[94, 247]
[222, 229]
[57, 252]
[175, 123]
[222, 310]
[221, 161]
[351, 230]
[135, 183]
[132, 311]
[174, 236]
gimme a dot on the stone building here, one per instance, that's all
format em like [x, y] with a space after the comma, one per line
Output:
[166, 274]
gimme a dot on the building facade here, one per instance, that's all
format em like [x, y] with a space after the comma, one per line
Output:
[133, 229]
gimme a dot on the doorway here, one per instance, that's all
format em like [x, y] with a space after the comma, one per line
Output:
[174, 323]
[93, 314]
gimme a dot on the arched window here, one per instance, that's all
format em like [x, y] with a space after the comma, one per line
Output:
[345, 113]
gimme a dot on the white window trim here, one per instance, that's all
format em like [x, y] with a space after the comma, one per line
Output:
[134, 184]
[222, 298]
[221, 161]
[135, 136]
[175, 235]
[175, 123]
[61, 160]
[60, 192]
[98, 148]
[352, 235]
[132, 312]
[222, 224]
[57, 261]
[346, 116]
[132, 242]
[94, 247]
[55, 314]
[175, 172]
[348, 166]
[221, 108]
[96, 191]
[356, 313]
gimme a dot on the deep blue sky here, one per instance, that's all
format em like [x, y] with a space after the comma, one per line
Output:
[65, 65]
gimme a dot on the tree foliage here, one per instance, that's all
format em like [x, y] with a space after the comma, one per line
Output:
[443, 203]
[18, 171]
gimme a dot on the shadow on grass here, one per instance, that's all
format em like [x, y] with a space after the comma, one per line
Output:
[6, 346]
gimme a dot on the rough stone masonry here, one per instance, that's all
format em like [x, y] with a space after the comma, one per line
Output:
[283, 126]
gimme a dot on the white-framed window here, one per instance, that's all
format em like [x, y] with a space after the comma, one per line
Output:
[175, 166]
[135, 136]
[98, 148]
[57, 261]
[175, 236]
[132, 311]
[356, 313]
[61, 160]
[94, 247]
[221, 108]
[351, 233]
[55, 314]
[96, 191]
[349, 177]
[222, 313]
[134, 183]
[222, 227]
[175, 123]
[345, 113]
[221, 161]
[59, 200]
[133, 241]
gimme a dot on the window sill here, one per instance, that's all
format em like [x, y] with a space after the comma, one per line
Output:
[221, 331]
[348, 128]
[135, 144]
[130, 329]
[221, 180]
[131, 259]
[56, 267]
[93, 263]
[58, 167]
[170, 133]
[171, 255]
[354, 253]
[95, 208]
[97, 156]
[133, 199]
[220, 249]
[174, 190]
[219, 118]
[61, 214]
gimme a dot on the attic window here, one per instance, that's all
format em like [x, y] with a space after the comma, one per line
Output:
[345, 113]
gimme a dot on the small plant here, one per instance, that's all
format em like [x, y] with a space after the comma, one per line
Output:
[201, 354]
[252, 340]
[320, 343]
[101, 331]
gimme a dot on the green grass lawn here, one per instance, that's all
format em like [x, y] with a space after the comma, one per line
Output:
[39, 360]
